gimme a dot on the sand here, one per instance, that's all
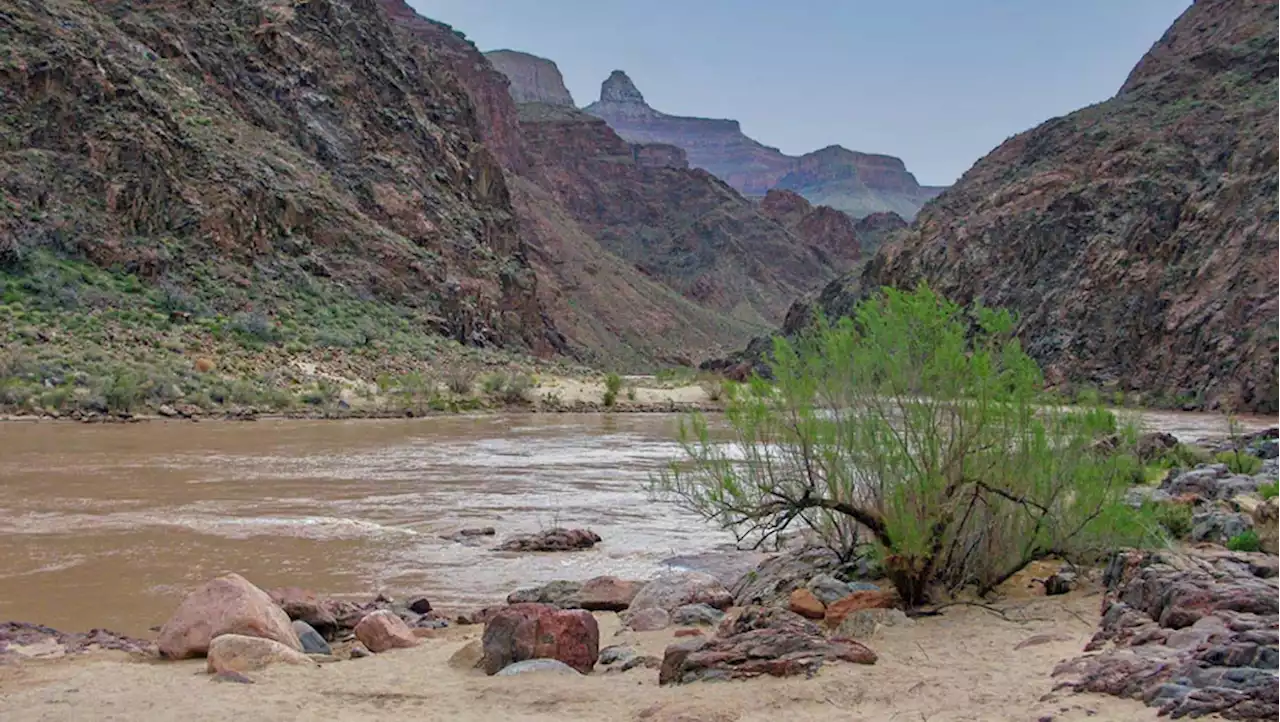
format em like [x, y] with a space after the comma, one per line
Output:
[962, 665]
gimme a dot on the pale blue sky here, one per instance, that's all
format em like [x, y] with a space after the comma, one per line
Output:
[938, 82]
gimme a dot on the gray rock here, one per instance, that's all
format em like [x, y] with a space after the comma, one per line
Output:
[359, 651]
[1203, 480]
[560, 593]
[827, 588]
[773, 580]
[696, 614]
[1218, 525]
[616, 653]
[864, 623]
[863, 587]
[1139, 495]
[528, 666]
[312, 642]
[677, 589]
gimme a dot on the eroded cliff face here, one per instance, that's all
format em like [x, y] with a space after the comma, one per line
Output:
[857, 183]
[533, 79]
[251, 152]
[1136, 238]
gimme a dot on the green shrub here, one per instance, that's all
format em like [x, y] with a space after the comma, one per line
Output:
[1239, 462]
[460, 381]
[1185, 456]
[1246, 541]
[121, 392]
[924, 425]
[612, 385]
[1174, 518]
[1269, 491]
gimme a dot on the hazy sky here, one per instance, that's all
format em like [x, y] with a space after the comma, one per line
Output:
[938, 82]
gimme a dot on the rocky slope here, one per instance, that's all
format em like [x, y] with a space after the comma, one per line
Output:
[312, 150]
[1136, 238]
[857, 183]
[824, 228]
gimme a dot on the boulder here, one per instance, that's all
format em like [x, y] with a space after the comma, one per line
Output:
[676, 589]
[1204, 481]
[468, 656]
[563, 594]
[382, 630]
[540, 631]
[646, 620]
[238, 653]
[226, 605]
[312, 642]
[756, 641]
[550, 666]
[1191, 633]
[827, 589]
[616, 653]
[773, 580]
[804, 603]
[607, 594]
[1215, 524]
[857, 601]
[1265, 516]
[303, 605]
[552, 540]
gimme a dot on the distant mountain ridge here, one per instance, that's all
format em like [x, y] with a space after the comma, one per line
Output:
[857, 183]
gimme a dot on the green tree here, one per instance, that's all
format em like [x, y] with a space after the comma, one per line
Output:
[922, 428]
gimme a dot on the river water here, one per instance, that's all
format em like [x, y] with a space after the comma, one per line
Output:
[107, 525]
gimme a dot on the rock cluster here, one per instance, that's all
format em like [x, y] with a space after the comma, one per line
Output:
[552, 540]
[226, 605]
[23, 639]
[1191, 634]
[755, 641]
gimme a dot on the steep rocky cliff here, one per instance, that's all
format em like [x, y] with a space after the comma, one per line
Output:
[533, 79]
[272, 159]
[857, 183]
[638, 258]
[1136, 238]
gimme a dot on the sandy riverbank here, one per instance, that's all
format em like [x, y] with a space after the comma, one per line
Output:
[967, 664]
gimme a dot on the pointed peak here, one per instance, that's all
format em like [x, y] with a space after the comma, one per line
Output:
[618, 88]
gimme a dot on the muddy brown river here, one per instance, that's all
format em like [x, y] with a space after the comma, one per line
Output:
[107, 525]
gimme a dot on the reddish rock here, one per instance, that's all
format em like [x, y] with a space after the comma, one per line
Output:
[688, 632]
[540, 631]
[608, 594]
[383, 630]
[226, 605]
[755, 641]
[305, 606]
[856, 602]
[803, 602]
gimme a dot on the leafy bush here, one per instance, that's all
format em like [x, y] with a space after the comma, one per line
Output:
[1239, 462]
[1174, 518]
[254, 327]
[122, 392]
[1185, 456]
[612, 385]
[1245, 541]
[713, 388]
[510, 388]
[1269, 491]
[919, 425]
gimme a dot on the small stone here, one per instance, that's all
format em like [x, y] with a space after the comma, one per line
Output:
[616, 653]
[359, 651]
[382, 631]
[689, 632]
[167, 411]
[1059, 583]
[468, 656]
[806, 604]
[420, 605]
[826, 589]
[312, 642]
[552, 666]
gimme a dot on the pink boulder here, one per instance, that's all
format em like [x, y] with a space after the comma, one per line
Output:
[226, 605]
[383, 630]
